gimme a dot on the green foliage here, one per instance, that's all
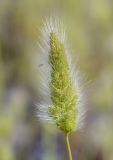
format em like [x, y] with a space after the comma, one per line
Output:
[63, 95]
[6, 126]
[6, 152]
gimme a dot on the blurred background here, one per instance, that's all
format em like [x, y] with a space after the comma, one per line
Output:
[90, 33]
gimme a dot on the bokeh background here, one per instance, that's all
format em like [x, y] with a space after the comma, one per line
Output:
[90, 32]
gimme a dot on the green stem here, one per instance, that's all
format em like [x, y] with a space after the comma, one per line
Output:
[68, 146]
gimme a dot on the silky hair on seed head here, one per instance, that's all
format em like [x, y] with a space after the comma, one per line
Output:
[60, 93]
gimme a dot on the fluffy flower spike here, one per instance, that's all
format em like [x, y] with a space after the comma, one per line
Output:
[60, 94]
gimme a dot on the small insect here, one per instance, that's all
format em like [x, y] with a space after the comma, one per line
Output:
[40, 65]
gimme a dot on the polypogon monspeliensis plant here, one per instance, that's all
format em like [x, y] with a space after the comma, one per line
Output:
[59, 85]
